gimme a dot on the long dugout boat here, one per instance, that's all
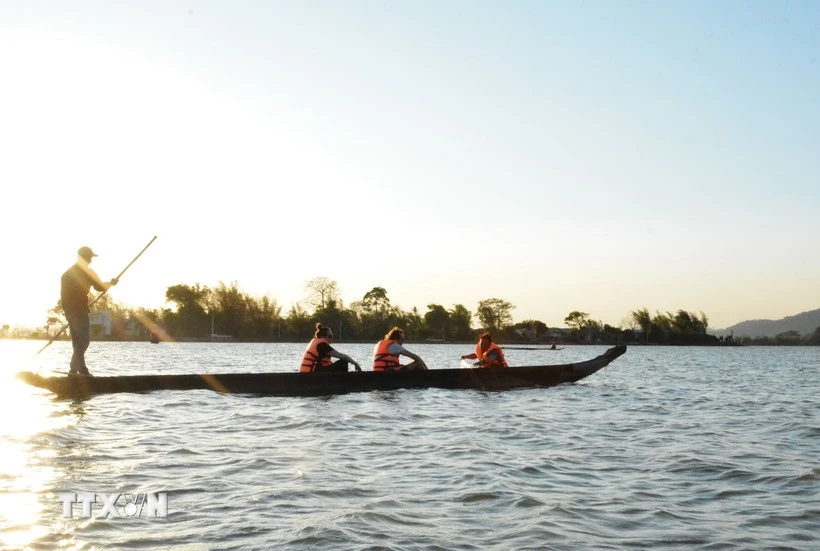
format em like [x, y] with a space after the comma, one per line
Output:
[325, 384]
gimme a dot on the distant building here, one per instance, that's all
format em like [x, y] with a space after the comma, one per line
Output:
[100, 322]
[135, 330]
[556, 333]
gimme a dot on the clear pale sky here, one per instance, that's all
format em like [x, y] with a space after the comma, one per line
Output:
[594, 156]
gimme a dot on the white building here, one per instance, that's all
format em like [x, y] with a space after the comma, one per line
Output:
[100, 324]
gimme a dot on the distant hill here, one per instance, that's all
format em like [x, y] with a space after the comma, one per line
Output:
[804, 323]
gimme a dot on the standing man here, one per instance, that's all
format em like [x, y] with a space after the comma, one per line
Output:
[74, 287]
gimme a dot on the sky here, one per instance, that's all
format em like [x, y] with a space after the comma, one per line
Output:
[593, 156]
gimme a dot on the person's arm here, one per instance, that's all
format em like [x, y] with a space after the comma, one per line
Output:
[342, 356]
[415, 357]
[98, 283]
[469, 356]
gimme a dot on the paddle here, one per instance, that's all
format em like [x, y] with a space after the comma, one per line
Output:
[95, 299]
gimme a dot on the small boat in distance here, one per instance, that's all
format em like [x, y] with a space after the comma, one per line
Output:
[325, 384]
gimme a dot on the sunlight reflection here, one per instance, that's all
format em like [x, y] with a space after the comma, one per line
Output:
[26, 465]
[154, 329]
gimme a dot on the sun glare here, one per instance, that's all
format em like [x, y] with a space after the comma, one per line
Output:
[26, 471]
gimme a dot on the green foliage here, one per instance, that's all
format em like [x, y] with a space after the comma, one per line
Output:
[344, 323]
[436, 320]
[494, 313]
[788, 338]
[190, 320]
[642, 319]
[681, 328]
[245, 318]
[577, 320]
[412, 323]
[376, 314]
[300, 324]
[460, 327]
[581, 326]
[321, 292]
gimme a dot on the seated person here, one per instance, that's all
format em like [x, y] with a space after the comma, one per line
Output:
[487, 352]
[387, 352]
[318, 353]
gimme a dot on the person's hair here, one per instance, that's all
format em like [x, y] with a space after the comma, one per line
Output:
[393, 334]
[486, 335]
[322, 331]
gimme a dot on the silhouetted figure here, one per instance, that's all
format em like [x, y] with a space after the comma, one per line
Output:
[75, 284]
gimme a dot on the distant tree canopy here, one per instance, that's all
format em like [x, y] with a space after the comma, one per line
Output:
[577, 320]
[190, 319]
[437, 316]
[642, 319]
[322, 291]
[494, 313]
[195, 312]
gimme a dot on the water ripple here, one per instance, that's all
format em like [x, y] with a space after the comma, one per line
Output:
[690, 448]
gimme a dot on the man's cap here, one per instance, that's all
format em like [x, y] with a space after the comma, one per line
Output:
[86, 253]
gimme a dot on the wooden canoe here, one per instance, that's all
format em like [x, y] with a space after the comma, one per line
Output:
[324, 384]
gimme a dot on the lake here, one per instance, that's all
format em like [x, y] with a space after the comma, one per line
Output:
[668, 447]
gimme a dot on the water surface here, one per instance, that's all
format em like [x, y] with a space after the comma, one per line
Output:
[688, 448]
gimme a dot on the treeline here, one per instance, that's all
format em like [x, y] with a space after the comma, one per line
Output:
[667, 328]
[686, 328]
[199, 312]
[787, 338]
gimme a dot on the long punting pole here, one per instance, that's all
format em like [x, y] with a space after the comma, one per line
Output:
[98, 297]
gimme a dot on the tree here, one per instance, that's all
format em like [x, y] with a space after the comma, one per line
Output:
[411, 322]
[375, 301]
[331, 316]
[460, 327]
[376, 313]
[321, 291]
[494, 313]
[191, 316]
[436, 319]
[791, 337]
[299, 324]
[265, 316]
[661, 327]
[230, 310]
[643, 320]
[50, 322]
[187, 297]
[577, 320]
[686, 323]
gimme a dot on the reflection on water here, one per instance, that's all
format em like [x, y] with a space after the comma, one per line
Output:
[669, 447]
[26, 454]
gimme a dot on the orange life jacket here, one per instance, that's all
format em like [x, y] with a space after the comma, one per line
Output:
[311, 358]
[383, 360]
[482, 354]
